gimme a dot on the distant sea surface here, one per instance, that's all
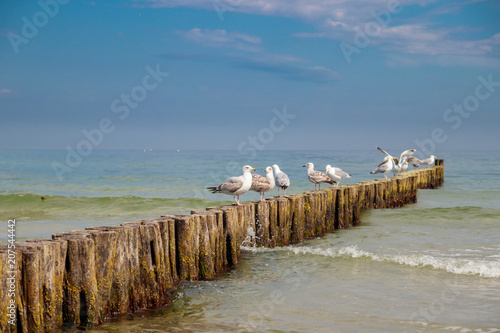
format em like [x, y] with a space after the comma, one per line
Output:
[433, 266]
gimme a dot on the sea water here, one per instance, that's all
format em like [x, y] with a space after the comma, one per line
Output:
[433, 266]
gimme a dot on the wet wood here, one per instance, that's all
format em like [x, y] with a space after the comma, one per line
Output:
[85, 277]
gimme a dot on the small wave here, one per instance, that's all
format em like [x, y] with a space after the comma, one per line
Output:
[488, 269]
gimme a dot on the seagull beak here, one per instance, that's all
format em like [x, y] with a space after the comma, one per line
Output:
[253, 169]
[304, 165]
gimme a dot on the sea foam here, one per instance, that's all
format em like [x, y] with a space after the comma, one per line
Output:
[488, 269]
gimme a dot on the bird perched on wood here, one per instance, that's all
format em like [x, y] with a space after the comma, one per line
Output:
[428, 161]
[263, 184]
[336, 174]
[281, 179]
[386, 166]
[400, 165]
[235, 186]
[317, 177]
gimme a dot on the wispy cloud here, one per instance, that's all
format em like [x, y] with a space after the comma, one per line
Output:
[222, 38]
[246, 52]
[6, 92]
[285, 67]
[340, 19]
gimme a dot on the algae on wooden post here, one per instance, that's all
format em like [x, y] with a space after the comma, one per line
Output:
[330, 201]
[262, 222]
[187, 251]
[52, 259]
[207, 267]
[81, 284]
[284, 222]
[297, 217]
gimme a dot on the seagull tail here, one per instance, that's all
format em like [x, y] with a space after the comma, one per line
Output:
[214, 189]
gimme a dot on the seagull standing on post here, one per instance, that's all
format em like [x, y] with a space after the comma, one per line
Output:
[281, 179]
[263, 184]
[235, 186]
[336, 174]
[317, 177]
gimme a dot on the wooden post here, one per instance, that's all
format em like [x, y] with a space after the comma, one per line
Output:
[297, 217]
[187, 250]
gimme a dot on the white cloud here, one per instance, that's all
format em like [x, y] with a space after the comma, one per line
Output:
[339, 20]
[222, 38]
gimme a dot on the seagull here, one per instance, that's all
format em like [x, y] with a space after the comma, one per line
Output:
[281, 179]
[386, 166]
[336, 174]
[400, 165]
[412, 159]
[235, 186]
[317, 177]
[428, 161]
[263, 184]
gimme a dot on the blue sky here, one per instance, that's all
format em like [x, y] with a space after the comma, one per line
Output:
[198, 74]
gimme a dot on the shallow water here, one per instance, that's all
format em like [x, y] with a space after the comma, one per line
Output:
[433, 266]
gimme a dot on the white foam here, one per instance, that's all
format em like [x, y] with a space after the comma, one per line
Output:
[489, 269]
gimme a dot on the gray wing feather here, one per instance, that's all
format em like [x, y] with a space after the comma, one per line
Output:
[230, 187]
[339, 172]
[259, 183]
[405, 154]
[319, 177]
[282, 180]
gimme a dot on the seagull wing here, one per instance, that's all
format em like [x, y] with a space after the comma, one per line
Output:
[282, 180]
[383, 151]
[405, 154]
[259, 183]
[319, 177]
[342, 174]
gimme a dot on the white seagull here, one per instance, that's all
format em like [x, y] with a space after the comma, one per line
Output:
[281, 179]
[317, 177]
[235, 186]
[428, 161]
[263, 184]
[386, 166]
[336, 174]
[401, 164]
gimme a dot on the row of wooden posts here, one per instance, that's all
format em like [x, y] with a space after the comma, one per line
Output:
[87, 276]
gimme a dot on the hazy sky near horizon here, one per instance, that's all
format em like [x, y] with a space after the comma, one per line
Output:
[253, 74]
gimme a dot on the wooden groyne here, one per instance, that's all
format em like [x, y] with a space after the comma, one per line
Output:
[84, 277]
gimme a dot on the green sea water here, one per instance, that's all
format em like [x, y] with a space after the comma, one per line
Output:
[433, 266]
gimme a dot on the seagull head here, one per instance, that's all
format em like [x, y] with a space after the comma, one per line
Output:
[309, 165]
[268, 169]
[248, 168]
[328, 167]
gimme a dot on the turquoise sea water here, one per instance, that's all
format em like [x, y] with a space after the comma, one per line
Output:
[433, 266]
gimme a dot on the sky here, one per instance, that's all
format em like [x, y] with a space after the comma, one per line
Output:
[253, 74]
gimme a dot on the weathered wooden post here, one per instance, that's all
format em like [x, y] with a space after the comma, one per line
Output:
[284, 222]
[80, 287]
[330, 201]
[262, 212]
[187, 242]
[297, 217]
